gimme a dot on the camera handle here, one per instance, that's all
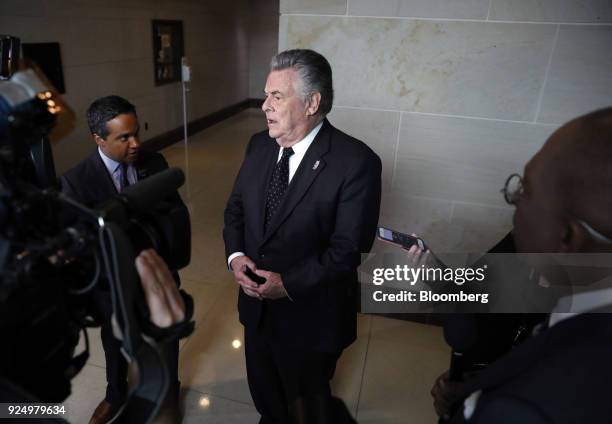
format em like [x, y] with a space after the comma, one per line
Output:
[144, 400]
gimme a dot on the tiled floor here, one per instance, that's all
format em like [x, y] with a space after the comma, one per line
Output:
[384, 377]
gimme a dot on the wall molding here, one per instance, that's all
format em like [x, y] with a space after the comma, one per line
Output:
[175, 135]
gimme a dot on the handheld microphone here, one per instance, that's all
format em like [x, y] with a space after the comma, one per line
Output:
[144, 195]
[460, 332]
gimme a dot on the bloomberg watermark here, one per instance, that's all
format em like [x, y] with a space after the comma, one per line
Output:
[433, 274]
[481, 283]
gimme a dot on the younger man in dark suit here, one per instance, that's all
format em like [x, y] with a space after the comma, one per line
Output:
[116, 163]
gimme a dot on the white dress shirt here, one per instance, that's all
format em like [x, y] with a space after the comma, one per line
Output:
[299, 151]
[114, 170]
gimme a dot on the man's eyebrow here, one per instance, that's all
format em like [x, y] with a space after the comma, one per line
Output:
[127, 133]
[273, 92]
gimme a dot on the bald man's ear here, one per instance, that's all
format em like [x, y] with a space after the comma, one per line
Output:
[312, 106]
[575, 237]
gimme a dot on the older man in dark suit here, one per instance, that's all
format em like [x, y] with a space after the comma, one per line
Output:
[303, 208]
[116, 163]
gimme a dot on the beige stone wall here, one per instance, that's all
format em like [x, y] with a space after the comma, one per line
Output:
[455, 95]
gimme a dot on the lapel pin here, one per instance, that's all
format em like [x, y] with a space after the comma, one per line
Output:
[316, 165]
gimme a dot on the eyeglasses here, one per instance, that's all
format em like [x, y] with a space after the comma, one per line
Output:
[513, 189]
[513, 192]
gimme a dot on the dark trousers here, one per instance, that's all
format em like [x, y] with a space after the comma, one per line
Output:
[290, 385]
[116, 365]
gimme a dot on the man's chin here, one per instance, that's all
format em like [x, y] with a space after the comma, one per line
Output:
[131, 158]
[272, 133]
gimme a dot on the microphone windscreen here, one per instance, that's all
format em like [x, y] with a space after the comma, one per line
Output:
[460, 331]
[146, 194]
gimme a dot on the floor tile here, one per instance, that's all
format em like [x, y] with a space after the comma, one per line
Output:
[403, 360]
[349, 370]
[88, 390]
[205, 408]
[213, 359]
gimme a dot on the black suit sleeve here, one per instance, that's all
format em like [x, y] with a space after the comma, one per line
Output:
[68, 189]
[354, 232]
[233, 230]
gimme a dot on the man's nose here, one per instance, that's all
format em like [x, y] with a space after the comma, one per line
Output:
[266, 105]
[134, 142]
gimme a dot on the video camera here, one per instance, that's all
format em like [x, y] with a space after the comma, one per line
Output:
[55, 251]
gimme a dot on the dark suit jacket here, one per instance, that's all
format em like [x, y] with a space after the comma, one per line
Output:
[90, 183]
[495, 333]
[326, 220]
[562, 375]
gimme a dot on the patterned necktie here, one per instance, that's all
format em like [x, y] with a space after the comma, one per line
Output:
[278, 185]
[123, 176]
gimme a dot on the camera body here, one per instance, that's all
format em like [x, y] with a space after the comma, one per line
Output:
[54, 251]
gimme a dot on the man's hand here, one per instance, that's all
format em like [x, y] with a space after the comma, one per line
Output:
[273, 288]
[238, 266]
[418, 257]
[166, 305]
[446, 394]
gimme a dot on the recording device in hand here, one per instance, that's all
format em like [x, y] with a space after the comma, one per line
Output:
[55, 251]
[254, 277]
[402, 240]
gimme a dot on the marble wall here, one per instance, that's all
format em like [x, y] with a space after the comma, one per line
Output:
[455, 95]
[106, 48]
[263, 43]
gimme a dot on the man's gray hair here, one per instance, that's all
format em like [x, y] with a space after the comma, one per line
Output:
[314, 72]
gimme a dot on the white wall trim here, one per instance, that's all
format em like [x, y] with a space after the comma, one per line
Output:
[546, 124]
[550, 58]
[449, 19]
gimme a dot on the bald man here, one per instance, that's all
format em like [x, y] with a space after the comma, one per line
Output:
[563, 374]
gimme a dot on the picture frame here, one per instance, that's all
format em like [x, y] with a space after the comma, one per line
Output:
[48, 57]
[168, 49]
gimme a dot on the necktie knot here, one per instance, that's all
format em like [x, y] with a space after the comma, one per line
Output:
[287, 152]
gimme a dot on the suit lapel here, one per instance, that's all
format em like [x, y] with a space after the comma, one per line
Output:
[141, 165]
[311, 166]
[511, 365]
[141, 172]
[105, 185]
[582, 330]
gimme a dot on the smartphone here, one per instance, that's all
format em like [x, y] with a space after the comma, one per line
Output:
[256, 278]
[403, 240]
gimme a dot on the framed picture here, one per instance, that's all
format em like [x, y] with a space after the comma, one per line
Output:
[167, 51]
[48, 57]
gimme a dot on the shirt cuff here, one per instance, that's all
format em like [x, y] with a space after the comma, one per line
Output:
[469, 405]
[286, 291]
[232, 257]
